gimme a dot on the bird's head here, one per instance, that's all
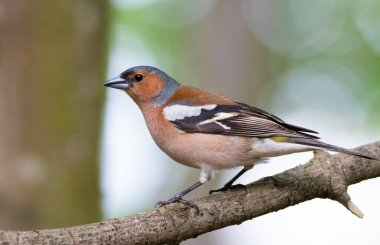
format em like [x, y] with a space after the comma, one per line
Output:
[145, 84]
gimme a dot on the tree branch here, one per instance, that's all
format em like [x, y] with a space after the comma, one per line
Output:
[324, 176]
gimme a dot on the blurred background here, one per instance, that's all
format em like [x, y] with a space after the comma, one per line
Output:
[74, 152]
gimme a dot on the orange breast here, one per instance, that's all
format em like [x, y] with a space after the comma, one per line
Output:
[197, 149]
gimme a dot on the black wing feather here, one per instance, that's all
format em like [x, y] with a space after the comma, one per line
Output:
[244, 120]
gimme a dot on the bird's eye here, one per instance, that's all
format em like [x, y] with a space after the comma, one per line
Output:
[139, 77]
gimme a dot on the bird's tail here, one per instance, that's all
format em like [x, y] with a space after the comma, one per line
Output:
[320, 145]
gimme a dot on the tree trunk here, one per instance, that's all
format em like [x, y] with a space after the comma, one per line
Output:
[52, 67]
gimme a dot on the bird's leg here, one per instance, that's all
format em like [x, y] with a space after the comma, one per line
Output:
[229, 185]
[178, 197]
[205, 175]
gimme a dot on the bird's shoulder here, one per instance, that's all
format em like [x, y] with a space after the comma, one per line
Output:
[192, 96]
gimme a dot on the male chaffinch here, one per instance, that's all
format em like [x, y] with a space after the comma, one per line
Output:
[208, 131]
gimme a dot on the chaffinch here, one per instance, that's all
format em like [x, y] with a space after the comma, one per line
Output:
[208, 131]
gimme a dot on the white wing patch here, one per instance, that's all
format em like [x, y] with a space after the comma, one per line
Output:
[179, 112]
[220, 116]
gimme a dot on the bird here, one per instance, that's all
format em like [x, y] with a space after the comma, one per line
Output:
[210, 132]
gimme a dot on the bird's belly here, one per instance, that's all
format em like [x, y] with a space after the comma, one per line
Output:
[270, 148]
[217, 151]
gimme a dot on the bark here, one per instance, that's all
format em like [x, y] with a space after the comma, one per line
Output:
[324, 176]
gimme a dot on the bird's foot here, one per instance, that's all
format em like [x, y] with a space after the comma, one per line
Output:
[178, 199]
[226, 188]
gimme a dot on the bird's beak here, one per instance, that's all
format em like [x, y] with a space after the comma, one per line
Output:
[117, 82]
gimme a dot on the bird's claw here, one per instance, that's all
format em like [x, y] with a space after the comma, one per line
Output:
[189, 203]
[226, 188]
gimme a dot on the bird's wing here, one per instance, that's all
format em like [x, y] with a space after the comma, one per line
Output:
[236, 119]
